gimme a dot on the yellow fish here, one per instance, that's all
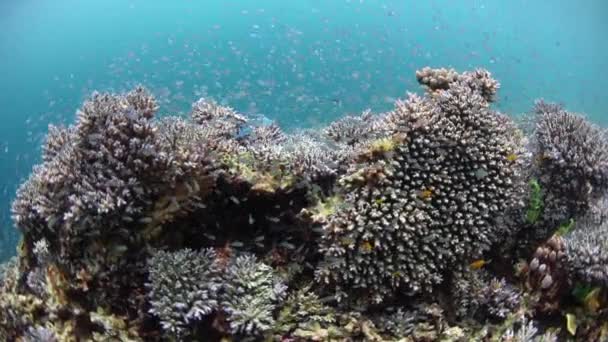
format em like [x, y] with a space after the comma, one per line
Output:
[477, 264]
[571, 324]
[366, 246]
[347, 241]
[426, 194]
[512, 157]
[592, 301]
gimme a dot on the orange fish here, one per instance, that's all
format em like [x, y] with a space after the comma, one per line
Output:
[477, 264]
[426, 194]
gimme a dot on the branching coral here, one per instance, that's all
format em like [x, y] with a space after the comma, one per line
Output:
[480, 81]
[106, 182]
[266, 135]
[438, 197]
[423, 322]
[250, 295]
[40, 334]
[303, 310]
[186, 286]
[286, 161]
[56, 139]
[220, 120]
[587, 253]
[97, 173]
[353, 130]
[477, 294]
[7, 269]
[571, 157]
[183, 287]
[527, 331]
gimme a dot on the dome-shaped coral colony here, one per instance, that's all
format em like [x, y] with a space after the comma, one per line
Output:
[416, 224]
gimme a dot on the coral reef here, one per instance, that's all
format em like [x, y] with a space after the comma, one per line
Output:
[431, 222]
[303, 312]
[476, 294]
[570, 160]
[39, 334]
[251, 294]
[183, 287]
[433, 193]
[526, 331]
[587, 253]
[425, 321]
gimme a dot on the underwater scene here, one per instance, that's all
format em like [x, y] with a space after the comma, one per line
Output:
[303, 170]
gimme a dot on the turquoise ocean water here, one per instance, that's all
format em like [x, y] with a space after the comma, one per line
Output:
[300, 63]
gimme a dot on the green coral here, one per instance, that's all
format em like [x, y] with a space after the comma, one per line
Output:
[565, 227]
[535, 203]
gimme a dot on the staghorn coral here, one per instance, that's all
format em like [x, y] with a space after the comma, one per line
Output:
[250, 295]
[110, 181]
[437, 197]
[56, 139]
[436, 79]
[96, 173]
[500, 299]
[303, 310]
[7, 269]
[477, 294]
[571, 161]
[353, 130]
[221, 121]
[285, 163]
[526, 331]
[422, 322]
[265, 135]
[182, 287]
[586, 250]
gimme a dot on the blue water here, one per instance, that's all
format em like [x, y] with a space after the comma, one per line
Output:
[301, 63]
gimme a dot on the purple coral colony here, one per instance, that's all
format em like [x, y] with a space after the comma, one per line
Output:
[441, 220]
